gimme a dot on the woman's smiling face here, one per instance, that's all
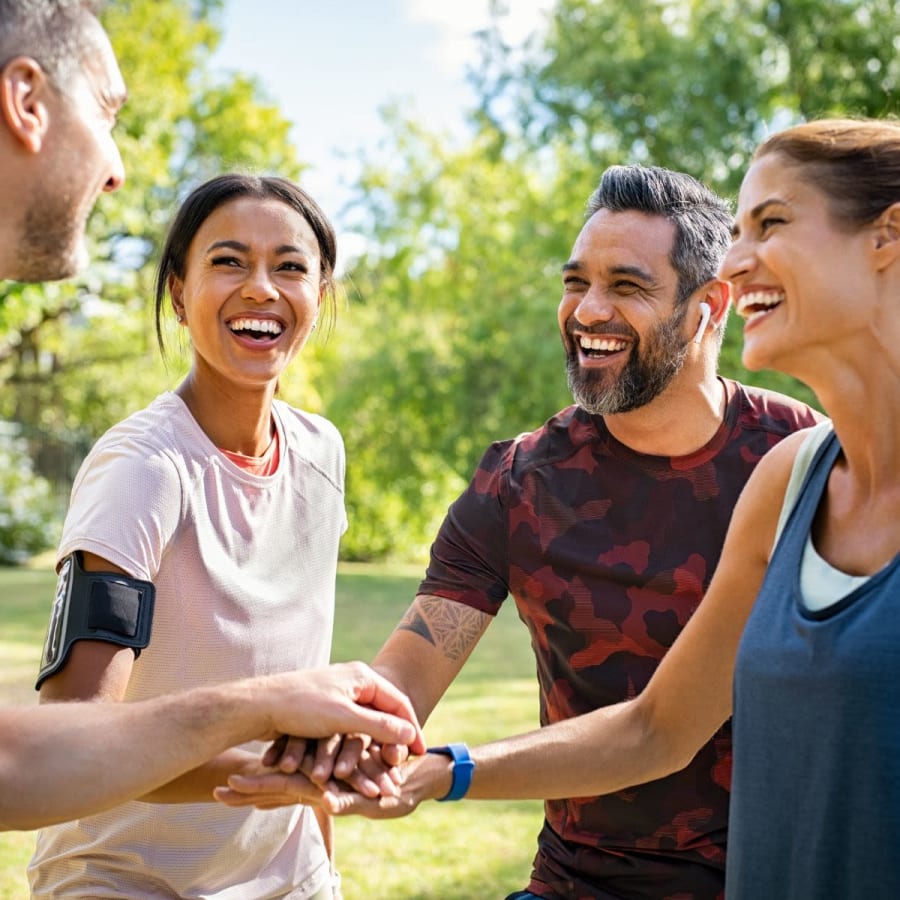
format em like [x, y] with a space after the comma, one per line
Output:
[796, 272]
[251, 290]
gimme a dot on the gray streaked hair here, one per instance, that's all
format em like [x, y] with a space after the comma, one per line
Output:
[702, 219]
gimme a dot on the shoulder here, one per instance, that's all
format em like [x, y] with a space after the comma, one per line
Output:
[754, 521]
[770, 478]
[771, 411]
[305, 424]
[797, 451]
[144, 442]
[313, 439]
[560, 437]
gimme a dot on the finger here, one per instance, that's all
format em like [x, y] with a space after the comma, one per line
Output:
[276, 784]
[384, 777]
[292, 754]
[228, 797]
[346, 803]
[326, 753]
[394, 754]
[361, 783]
[378, 692]
[351, 752]
[274, 751]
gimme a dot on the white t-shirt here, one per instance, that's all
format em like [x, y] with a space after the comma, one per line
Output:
[244, 568]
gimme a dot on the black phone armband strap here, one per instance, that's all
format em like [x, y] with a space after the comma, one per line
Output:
[95, 606]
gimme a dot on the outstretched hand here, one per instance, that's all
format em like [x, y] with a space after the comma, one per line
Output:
[344, 698]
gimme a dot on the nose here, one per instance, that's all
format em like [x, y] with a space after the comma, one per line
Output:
[588, 308]
[258, 286]
[592, 307]
[739, 260]
[117, 174]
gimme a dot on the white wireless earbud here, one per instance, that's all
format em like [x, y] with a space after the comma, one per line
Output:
[705, 313]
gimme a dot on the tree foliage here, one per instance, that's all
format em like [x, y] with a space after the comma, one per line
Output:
[452, 341]
[693, 84]
[450, 338]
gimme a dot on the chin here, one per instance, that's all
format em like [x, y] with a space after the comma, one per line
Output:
[755, 360]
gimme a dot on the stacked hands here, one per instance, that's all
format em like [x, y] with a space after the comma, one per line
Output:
[343, 775]
[349, 773]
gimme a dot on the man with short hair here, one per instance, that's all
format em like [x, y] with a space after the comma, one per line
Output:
[605, 524]
[60, 91]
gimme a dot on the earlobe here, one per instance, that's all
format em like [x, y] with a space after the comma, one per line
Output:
[23, 106]
[887, 237]
[175, 292]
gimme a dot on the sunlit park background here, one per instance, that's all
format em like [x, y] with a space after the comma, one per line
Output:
[453, 229]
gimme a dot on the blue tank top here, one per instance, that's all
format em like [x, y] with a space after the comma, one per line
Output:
[815, 804]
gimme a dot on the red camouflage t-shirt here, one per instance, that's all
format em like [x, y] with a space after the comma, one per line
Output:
[607, 553]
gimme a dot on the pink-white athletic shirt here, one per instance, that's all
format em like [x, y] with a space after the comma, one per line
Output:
[244, 567]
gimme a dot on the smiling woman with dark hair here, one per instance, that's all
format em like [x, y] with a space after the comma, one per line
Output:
[229, 505]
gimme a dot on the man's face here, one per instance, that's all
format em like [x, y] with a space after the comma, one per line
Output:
[79, 161]
[620, 324]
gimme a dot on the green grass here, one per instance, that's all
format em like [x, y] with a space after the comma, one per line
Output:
[455, 851]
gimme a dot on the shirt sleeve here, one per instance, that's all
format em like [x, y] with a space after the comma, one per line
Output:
[469, 556]
[125, 506]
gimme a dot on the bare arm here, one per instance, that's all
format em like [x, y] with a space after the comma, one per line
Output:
[64, 760]
[98, 670]
[429, 647]
[661, 730]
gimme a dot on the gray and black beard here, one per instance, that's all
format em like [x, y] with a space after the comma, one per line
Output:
[655, 360]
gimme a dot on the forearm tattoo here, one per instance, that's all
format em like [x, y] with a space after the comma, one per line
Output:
[453, 628]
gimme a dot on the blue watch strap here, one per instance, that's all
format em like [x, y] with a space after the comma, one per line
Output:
[463, 766]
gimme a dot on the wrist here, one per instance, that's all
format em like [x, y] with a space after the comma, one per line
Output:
[460, 771]
[255, 715]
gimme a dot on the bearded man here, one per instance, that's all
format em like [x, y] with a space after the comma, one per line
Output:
[605, 525]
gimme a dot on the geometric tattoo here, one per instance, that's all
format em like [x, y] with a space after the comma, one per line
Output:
[452, 627]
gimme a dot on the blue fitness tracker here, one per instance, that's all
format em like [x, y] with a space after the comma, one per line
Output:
[463, 766]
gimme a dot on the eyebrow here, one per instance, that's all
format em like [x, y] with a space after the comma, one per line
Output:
[757, 211]
[244, 248]
[635, 271]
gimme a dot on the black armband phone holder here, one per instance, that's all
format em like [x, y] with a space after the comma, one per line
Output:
[95, 606]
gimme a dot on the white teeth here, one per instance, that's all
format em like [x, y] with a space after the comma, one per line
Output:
[269, 326]
[757, 303]
[597, 343]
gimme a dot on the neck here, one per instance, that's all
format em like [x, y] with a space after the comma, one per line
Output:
[681, 420]
[233, 419]
[863, 402]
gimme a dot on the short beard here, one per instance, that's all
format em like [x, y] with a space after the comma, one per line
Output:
[52, 242]
[645, 376]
